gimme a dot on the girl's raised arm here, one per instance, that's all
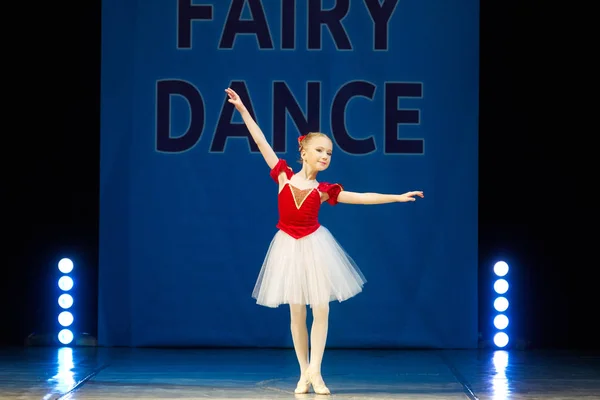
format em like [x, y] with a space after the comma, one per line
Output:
[259, 138]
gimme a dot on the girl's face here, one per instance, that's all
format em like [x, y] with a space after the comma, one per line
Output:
[317, 153]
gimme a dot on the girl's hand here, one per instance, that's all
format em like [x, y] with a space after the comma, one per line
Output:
[409, 196]
[235, 100]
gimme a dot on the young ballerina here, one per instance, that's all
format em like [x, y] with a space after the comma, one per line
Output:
[304, 264]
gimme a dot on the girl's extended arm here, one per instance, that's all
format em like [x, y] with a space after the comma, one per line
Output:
[376, 198]
[255, 131]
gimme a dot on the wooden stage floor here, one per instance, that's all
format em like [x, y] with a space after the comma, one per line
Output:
[120, 373]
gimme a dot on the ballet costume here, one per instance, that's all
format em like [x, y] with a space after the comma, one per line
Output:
[304, 263]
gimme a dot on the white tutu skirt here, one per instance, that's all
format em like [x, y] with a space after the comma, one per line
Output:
[312, 270]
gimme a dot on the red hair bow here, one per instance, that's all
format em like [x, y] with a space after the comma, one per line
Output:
[301, 138]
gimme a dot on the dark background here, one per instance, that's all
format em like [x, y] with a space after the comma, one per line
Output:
[534, 182]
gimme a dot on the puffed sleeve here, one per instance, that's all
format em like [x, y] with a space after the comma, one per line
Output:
[333, 190]
[280, 167]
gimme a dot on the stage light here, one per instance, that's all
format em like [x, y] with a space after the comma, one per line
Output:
[65, 265]
[501, 304]
[65, 318]
[501, 339]
[65, 336]
[501, 286]
[501, 268]
[65, 301]
[65, 283]
[501, 321]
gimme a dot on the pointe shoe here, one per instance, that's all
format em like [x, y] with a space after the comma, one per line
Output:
[303, 385]
[317, 383]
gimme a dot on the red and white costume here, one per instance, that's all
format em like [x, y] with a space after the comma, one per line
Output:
[304, 263]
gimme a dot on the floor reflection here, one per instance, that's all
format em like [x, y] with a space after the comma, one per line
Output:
[105, 373]
[64, 379]
[499, 384]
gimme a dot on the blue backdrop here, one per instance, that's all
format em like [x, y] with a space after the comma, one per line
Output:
[187, 204]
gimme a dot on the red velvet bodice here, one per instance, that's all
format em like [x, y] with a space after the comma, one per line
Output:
[299, 208]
